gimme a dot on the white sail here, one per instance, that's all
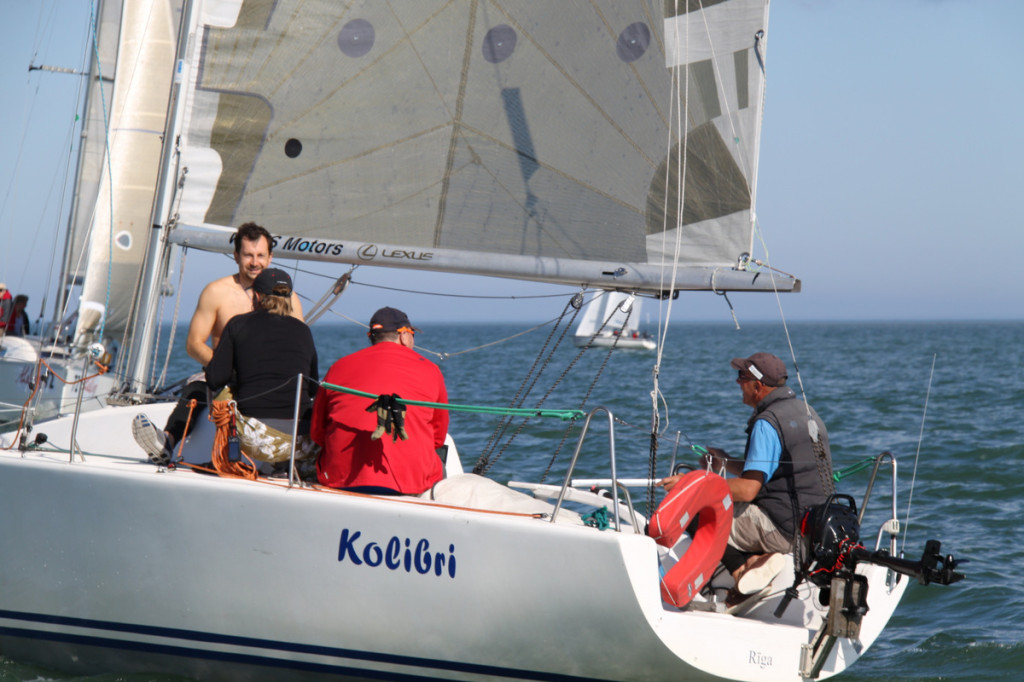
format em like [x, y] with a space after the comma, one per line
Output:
[593, 316]
[136, 115]
[91, 150]
[612, 319]
[447, 135]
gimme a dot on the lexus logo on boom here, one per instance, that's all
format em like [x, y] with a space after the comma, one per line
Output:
[369, 252]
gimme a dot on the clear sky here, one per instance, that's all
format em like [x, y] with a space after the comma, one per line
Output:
[890, 176]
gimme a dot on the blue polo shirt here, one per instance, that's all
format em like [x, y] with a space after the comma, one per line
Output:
[765, 450]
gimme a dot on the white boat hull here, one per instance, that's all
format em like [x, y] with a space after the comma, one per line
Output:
[621, 341]
[221, 578]
[19, 369]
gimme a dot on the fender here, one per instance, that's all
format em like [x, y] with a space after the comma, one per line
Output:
[697, 493]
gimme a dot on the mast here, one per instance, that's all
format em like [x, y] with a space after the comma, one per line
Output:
[100, 75]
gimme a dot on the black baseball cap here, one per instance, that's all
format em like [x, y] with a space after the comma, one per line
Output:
[270, 278]
[390, 320]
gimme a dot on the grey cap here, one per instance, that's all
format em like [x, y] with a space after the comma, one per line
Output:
[765, 367]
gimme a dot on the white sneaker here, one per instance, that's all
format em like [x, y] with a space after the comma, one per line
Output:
[760, 573]
[151, 439]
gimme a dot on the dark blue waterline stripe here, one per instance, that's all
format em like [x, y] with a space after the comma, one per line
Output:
[270, 645]
[186, 652]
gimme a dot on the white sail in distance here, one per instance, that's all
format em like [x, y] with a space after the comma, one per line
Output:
[604, 312]
[612, 319]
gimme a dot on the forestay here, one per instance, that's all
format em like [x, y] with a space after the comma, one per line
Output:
[515, 138]
[91, 147]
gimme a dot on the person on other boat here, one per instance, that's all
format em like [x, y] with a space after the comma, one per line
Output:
[18, 323]
[219, 301]
[6, 306]
[783, 472]
[352, 457]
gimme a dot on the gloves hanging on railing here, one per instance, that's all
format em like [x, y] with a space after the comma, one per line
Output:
[390, 417]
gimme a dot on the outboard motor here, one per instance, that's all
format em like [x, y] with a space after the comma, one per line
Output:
[832, 531]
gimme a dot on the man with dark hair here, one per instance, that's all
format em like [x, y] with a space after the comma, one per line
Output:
[786, 468]
[355, 455]
[18, 323]
[219, 301]
[228, 296]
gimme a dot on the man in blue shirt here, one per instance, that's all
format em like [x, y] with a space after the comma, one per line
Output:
[787, 467]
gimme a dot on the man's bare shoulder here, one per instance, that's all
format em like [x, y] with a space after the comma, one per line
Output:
[217, 292]
[222, 284]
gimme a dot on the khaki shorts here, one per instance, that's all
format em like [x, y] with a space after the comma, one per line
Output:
[264, 443]
[753, 531]
[267, 444]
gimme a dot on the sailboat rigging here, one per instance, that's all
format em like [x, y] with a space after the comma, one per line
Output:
[606, 144]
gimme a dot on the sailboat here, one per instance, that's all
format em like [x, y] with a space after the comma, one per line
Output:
[610, 321]
[600, 144]
[63, 369]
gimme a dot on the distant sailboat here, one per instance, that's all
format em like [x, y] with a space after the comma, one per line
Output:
[124, 113]
[610, 320]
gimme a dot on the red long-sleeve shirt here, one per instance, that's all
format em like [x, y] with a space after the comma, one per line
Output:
[342, 426]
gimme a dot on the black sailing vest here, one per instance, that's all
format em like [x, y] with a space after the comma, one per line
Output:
[797, 483]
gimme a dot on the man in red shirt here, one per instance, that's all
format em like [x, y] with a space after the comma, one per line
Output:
[351, 459]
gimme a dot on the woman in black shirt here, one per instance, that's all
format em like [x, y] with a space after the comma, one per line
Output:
[261, 354]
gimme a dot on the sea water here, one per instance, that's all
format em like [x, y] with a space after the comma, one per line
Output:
[947, 399]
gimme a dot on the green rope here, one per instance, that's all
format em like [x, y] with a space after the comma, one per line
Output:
[852, 469]
[598, 519]
[564, 415]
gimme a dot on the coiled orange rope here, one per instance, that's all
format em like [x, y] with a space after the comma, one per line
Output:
[222, 414]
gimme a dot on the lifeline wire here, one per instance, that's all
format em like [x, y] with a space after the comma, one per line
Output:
[920, 437]
[477, 409]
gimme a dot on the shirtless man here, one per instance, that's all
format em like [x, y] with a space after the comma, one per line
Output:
[219, 301]
[228, 296]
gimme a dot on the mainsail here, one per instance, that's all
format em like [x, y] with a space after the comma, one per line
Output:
[136, 116]
[535, 140]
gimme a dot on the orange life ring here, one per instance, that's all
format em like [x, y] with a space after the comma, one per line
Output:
[706, 494]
